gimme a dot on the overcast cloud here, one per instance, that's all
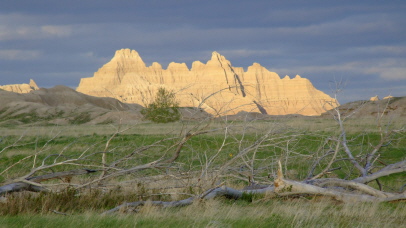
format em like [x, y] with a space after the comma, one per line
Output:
[360, 42]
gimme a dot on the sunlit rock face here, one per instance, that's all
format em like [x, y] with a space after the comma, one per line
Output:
[216, 86]
[21, 88]
[376, 98]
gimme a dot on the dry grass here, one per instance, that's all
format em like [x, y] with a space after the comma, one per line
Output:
[296, 213]
[229, 213]
[306, 124]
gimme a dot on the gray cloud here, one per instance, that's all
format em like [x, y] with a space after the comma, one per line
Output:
[60, 42]
[19, 54]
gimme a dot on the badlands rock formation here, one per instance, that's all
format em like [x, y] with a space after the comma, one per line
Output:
[216, 86]
[21, 88]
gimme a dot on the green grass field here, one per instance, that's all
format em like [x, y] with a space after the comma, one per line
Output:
[296, 141]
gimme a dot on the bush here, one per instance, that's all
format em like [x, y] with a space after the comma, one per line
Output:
[163, 109]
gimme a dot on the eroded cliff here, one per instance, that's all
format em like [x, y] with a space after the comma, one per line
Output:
[216, 86]
[21, 88]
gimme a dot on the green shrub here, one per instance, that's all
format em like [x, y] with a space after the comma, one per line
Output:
[163, 109]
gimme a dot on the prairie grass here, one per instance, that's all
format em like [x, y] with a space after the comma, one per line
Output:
[297, 148]
[229, 213]
[306, 124]
[297, 141]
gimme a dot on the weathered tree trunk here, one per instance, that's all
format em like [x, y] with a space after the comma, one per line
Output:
[33, 183]
[338, 189]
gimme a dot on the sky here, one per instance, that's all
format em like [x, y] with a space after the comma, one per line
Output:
[360, 43]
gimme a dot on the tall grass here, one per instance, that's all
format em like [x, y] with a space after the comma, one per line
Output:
[228, 213]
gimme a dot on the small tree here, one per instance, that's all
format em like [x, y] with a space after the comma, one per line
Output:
[163, 109]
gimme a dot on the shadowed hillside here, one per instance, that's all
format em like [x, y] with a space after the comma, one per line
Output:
[62, 105]
[394, 107]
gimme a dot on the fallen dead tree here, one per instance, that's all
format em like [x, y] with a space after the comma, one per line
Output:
[340, 190]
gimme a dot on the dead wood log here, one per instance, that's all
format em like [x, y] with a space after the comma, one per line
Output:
[20, 186]
[360, 182]
[33, 183]
[387, 170]
[368, 194]
[209, 194]
[63, 174]
[351, 185]
[341, 190]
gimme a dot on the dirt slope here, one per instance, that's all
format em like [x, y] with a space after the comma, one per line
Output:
[394, 107]
[62, 105]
